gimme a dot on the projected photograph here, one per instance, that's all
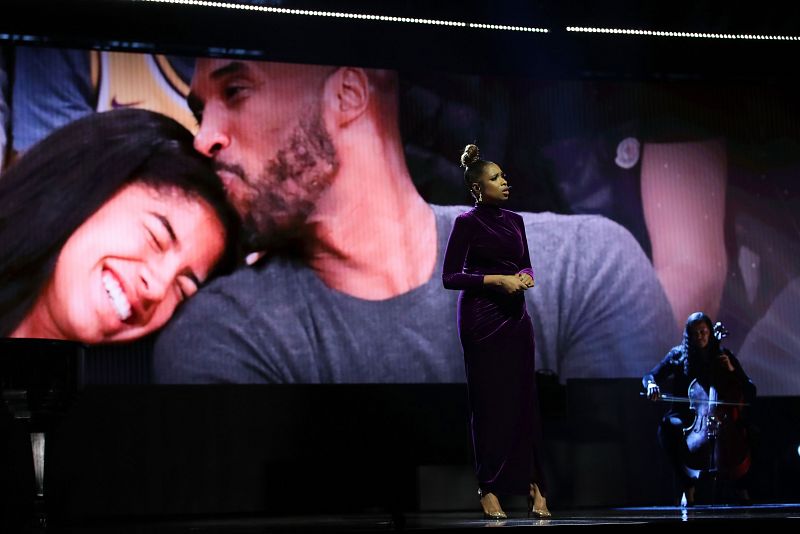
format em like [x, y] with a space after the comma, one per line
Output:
[262, 222]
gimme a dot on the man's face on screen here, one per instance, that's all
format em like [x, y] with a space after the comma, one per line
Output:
[123, 272]
[263, 125]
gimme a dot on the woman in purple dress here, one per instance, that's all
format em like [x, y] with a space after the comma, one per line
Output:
[487, 259]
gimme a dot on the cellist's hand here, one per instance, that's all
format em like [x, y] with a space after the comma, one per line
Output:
[726, 362]
[653, 393]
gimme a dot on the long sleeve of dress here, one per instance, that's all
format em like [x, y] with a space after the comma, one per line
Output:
[453, 275]
[526, 266]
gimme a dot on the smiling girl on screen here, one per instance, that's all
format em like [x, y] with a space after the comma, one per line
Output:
[106, 226]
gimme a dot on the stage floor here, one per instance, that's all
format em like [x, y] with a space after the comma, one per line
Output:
[761, 516]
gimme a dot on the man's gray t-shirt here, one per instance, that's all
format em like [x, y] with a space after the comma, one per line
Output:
[598, 311]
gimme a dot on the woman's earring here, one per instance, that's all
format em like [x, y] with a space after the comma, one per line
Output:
[480, 196]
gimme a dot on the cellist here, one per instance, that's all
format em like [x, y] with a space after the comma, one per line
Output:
[700, 357]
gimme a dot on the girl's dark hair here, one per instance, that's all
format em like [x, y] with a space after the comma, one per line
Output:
[473, 165]
[65, 178]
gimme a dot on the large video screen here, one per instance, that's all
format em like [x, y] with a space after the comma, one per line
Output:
[642, 201]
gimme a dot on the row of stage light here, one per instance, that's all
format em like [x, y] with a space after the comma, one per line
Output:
[461, 24]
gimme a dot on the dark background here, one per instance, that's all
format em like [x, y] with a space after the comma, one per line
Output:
[145, 453]
[168, 28]
[142, 451]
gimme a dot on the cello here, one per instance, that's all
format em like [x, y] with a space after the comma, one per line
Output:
[717, 439]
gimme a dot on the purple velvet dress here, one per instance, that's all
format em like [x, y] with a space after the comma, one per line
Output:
[497, 337]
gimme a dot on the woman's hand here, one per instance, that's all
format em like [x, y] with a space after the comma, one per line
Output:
[526, 279]
[653, 391]
[507, 283]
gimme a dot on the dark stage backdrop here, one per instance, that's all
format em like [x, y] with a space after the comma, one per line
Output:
[144, 452]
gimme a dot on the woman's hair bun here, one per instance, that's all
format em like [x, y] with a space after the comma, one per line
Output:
[470, 155]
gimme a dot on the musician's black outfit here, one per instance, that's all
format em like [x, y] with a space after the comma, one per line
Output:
[682, 366]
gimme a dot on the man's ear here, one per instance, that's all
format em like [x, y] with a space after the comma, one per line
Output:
[347, 92]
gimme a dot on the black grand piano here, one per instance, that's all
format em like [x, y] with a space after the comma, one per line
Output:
[40, 382]
[85, 437]
[39, 379]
